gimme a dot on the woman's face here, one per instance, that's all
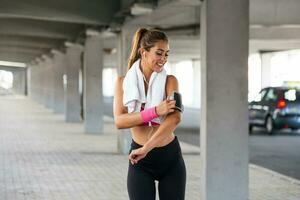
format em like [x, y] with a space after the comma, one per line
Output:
[157, 56]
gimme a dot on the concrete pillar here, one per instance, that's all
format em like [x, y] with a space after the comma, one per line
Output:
[49, 85]
[59, 71]
[197, 81]
[23, 74]
[32, 82]
[265, 69]
[35, 82]
[30, 77]
[16, 82]
[121, 67]
[93, 92]
[224, 106]
[44, 82]
[41, 81]
[123, 51]
[73, 65]
[19, 81]
[124, 47]
[27, 76]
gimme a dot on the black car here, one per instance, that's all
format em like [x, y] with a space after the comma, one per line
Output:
[275, 108]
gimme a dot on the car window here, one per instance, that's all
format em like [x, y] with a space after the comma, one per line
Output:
[271, 95]
[260, 96]
[292, 95]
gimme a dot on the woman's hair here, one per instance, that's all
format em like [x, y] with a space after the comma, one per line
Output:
[145, 38]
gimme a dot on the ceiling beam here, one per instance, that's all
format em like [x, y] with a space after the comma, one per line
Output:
[92, 12]
[275, 33]
[17, 58]
[26, 41]
[10, 68]
[274, 12]
[21, 50]
[38, 28]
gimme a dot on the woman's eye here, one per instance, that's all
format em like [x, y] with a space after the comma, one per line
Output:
[159, 54]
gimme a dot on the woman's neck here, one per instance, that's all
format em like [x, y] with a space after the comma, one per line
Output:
[146, 70]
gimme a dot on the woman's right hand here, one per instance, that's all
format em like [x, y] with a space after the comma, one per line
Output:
[165, 107]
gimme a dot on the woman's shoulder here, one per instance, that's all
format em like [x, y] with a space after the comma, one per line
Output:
[119, 79]
[171, 79]
[119, 82]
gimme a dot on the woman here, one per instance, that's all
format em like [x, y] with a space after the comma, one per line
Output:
[140, 104]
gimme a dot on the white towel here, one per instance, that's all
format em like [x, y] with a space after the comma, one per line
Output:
[134, 91]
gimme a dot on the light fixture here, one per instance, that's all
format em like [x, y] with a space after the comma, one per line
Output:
[141, 9]
[12, 64]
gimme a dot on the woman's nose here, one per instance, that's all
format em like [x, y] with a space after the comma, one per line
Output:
[164, 58]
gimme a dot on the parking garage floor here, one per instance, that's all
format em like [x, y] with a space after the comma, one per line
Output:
[42, 157]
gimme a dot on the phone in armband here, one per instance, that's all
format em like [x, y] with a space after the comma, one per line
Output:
[175, 95]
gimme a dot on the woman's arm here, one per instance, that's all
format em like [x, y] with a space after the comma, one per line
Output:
[170, 122]
[123, 119]
[164, 130]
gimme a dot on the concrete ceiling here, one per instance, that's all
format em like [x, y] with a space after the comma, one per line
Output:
[274, 24]
[33, 27]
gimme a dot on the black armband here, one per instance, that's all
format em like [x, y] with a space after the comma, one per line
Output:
[177, 97]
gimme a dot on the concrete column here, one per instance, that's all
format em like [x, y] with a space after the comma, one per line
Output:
[27, 76]
[121, 67]
[30, 77]
[44, 82]
[19, 81]
[124, 47]
[123, 50]
[35, 82]
[93, 92]
[73, 65]
[266, 69]
[224, 106]
[197, 79]
[49, 86]
[32, 82]
[41, 81]
[59, 71]
[15, 82]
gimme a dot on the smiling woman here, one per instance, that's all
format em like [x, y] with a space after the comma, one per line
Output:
[142, 103]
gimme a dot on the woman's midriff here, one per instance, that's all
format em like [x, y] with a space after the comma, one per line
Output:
[141, 134]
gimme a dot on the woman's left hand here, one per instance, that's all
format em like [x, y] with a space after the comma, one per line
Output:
[137, 155]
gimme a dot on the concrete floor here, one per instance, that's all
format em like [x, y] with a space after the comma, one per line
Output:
[279, 152]
[42, 157]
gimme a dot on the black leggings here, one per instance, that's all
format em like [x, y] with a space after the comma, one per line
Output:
[164, 164]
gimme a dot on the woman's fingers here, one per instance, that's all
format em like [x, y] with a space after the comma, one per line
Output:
[172, 103]
[165, 106]
[131, 158]
[136, 155]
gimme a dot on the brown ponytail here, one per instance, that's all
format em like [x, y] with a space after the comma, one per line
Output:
[134, 55]
[145, 38]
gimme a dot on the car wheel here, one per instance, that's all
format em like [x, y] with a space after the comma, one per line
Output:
[269, 125]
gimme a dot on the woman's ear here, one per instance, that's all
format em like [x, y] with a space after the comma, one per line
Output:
[143, 52]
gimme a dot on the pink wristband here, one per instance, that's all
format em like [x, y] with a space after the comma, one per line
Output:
[149, 114]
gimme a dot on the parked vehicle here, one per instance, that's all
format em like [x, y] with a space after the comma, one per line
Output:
[275, 108]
